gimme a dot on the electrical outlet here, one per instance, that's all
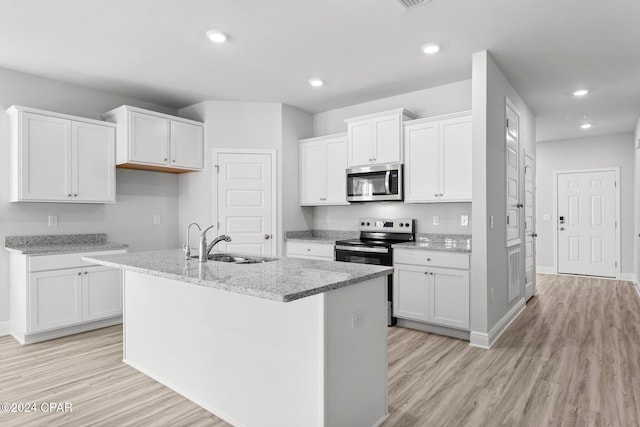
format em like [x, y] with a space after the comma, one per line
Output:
[156, 219]
[436, 220]
[357, 319]
[53, 220]
[464, 220]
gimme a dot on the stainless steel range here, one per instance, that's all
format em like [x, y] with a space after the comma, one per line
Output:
[374, 247]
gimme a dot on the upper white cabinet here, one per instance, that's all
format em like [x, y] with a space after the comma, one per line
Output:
[323, 162]
[154, 141]
[376, 138]
[438, 155]
[61, 158]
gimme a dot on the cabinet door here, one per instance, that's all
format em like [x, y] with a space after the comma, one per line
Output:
[455, 157]
[360, 143]
[336, 175]
[101, 293]
[187, 145]
[421, 163]
[410, 292]
[148, 139]
[449, 297]
[387, 137]
[94, 164]
[55, 299]
[45, 149]
[312, 173]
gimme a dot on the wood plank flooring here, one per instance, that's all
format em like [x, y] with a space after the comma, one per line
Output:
[571, 359]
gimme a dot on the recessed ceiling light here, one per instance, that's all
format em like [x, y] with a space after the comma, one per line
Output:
[217, 36]
[585, 125]
[315, 82]
[430, 48]
[580, 92]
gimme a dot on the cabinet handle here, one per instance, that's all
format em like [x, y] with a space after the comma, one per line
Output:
[86, 272]
[75, 195]
[440, 194]
[435, 194]
[428, 259]
[69, 195]
[165, 159]
[374, 159]
[308, 250]
[519, 205]
[79, 273]
[323, 198]
[174, 160]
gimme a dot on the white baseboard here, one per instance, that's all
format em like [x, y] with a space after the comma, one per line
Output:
[5, 328]
[434, 329]
[629, 277]
[545, 270]
[484, 340]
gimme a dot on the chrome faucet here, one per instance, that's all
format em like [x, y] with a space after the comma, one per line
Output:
[187, 248]
[205, 249]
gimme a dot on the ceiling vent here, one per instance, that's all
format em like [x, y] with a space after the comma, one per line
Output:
[412, 4]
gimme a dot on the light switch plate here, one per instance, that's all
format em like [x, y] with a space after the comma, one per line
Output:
[436, 220]
[156, 219]
[546, 217]
[53, 220]
[464, 220]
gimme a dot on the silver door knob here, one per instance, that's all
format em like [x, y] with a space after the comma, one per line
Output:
[267, 236]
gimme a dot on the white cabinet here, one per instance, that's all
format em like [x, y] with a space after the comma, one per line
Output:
[56, 295]
[60, 158]
[323, 162]
[426, 290]
[154, 141]
[438, 155]
[310, 250]
[376, 138]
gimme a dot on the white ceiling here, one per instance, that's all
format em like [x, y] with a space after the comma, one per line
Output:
[365, 49]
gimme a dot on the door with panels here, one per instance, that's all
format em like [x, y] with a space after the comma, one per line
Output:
[529, 226]
[587, 223]
[515, 265]
[245, 201]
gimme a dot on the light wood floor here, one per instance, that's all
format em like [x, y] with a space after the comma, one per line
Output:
[572, 358]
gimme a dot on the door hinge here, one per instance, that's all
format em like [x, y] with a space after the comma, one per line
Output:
[615, 184]
[616, 224]
[217, 168]
[616, 264]
[218, 225]
[507, 123]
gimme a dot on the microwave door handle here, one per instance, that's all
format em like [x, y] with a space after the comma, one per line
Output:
[387, 182]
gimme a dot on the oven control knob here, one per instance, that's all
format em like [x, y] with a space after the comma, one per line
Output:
[362, 223]
[401, 225]
[368, 224]
[406, 225]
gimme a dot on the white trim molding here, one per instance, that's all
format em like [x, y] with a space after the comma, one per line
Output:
[484, 340]
[629, 277]
[545, 270]
[5, 328]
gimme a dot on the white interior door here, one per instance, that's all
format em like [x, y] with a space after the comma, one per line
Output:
[529, 226]
[587, 203]
[245, 201]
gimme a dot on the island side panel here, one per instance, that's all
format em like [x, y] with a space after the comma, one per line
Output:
[356, 354]
[250, 361]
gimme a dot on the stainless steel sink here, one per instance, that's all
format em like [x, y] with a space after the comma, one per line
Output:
[236, 259]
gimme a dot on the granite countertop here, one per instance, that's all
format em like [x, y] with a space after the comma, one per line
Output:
[321, 236]
[439, 242]
[60, 244]
[283, 280]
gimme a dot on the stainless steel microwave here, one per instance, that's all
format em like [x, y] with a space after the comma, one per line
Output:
[374, 183]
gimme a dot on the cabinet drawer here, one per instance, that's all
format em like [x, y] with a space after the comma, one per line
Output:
[308, 249]
[431, 258]
[60, 261]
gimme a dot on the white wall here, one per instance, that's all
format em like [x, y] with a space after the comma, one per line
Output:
[489, 256]
[139, 195]
[585, 153]
[245, 125]
[636, 186]
[438, 100]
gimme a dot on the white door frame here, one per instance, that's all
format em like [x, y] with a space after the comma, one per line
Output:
[534, 244]
[614, 169]
[274, 187]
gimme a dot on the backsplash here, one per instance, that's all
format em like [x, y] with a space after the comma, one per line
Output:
[346, 217]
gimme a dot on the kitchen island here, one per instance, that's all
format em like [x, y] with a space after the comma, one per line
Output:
[291, 342]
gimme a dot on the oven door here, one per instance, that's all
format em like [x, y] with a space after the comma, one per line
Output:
[376, 256]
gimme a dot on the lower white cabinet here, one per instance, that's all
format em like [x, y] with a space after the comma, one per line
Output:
[426, 290]
[310, 250]
[56, 295]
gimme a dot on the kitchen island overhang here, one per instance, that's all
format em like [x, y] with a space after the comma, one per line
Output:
[304, 342]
